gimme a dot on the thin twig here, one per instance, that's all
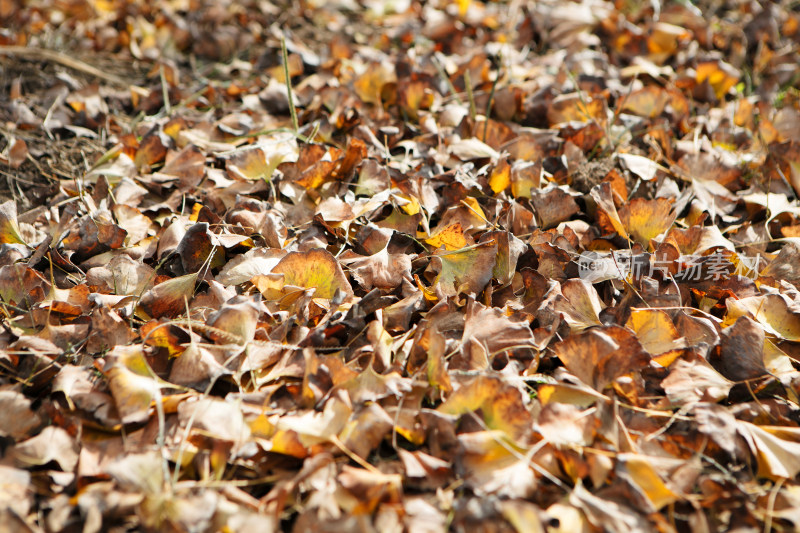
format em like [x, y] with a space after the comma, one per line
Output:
[489, 103]
[470, 96]
[288, 80]
[43, 54]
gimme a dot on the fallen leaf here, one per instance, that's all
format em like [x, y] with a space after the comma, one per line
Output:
[601, 512]
[777, 450]
[467, 149]
[648, 101]
[647, 219]
[599, 355]
[16, 417]
[499, 403]
[9, 228]
[494, 467]
[243, 268]
[553, 206]
[500, 178]
[316, 269]
[740, 356]
[603, 196]
[168, 298]
[52, 444]
[451, 237]
[692, 382]
[581, 306]
[719, 75]
[132, 382]
[17, 152]
[566, 424]
[657, 334]
[467, 270]
[122, 276]
[641, 166]
[772, 311]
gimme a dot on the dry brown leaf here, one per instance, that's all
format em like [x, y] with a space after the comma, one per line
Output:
[500, 406]
[691, 382]
[600, 355]
[383, 281]
[466, 270]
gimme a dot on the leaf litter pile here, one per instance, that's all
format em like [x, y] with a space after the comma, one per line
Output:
[514, 266]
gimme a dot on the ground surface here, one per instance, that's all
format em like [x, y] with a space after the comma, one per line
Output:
[362, 305]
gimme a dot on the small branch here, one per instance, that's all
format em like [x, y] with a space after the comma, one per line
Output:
[43, 54]
[470, 96]
[288, 80]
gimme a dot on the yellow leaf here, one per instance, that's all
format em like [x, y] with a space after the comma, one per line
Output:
[261, 427]
[437, 370]
[369, 85]
[501, 177]
[772, 311]
[314, 269]
[646, 219]
[466, 270]
[451, 237]
[196, 208]
[429, 293]
[649, 481]
[270, 286]
[287, 443]
[9, 230]
[475, 209]
[173, 127]
[161, 335]
[250, 164]
[500, 405]
[571, 394]
[412, 207]
[719, 75]
[655, 330]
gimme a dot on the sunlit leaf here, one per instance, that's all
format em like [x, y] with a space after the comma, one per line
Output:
[600, 355]
[772, 311]
[777, 450]
[648, 480]
[719, 75]
[641, 166]
[657, 333]
[315, 269]
[451, 237]
[9, 229]
[647, 219]
[168, 298]
[500, 405]
[646, 102]
[437, 369]
[132, 382]
[501, 177]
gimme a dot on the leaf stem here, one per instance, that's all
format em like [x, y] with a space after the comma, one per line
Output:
[288, 80]
[470, 96]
